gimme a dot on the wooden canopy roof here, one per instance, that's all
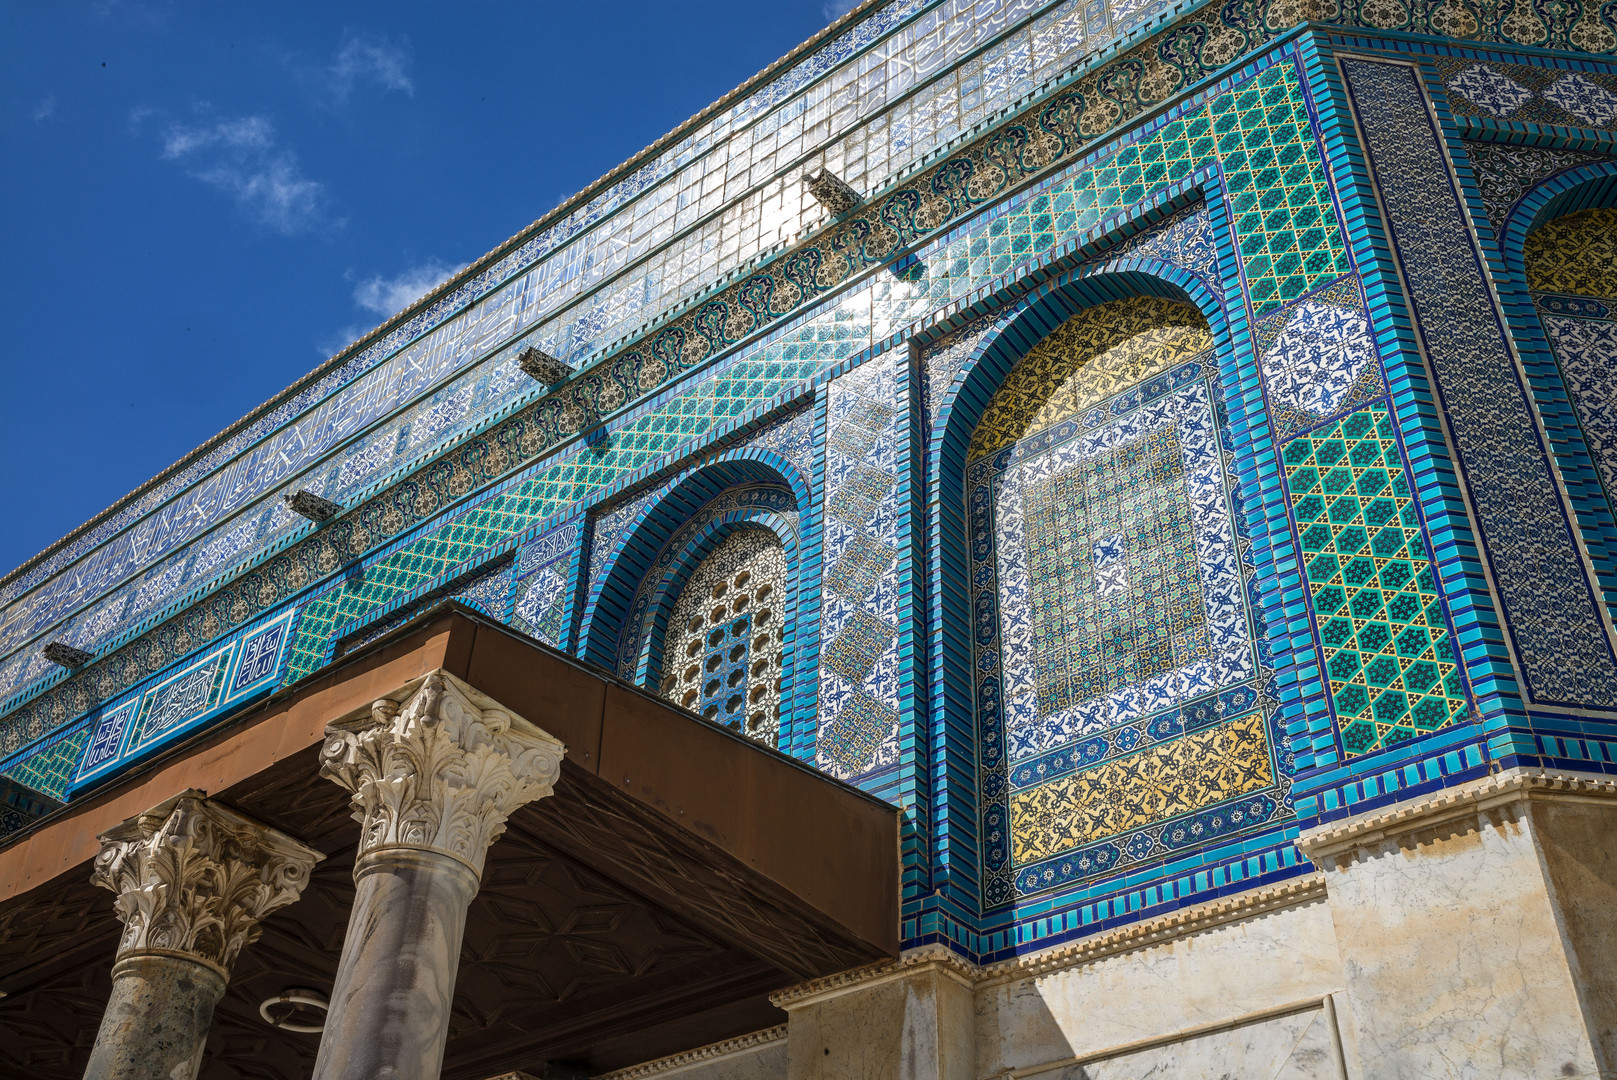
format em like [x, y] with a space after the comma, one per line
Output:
[678, 875]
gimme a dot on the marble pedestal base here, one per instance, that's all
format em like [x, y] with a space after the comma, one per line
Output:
[915, 1025]
[1478, 929]
[156, 1022]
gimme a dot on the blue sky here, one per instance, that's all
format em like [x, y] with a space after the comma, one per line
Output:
[205, 201]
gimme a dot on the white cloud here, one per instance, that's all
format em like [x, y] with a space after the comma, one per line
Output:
[384, 297]
[360, 60]
[375, 59]
[338, 340]
[245, 134]
[45, 109]
[833, 10]
[388, 296]
[243, 158]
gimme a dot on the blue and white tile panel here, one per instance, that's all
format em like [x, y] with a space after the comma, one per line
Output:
[246, 667]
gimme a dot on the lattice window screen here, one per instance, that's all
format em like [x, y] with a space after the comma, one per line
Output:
[722, 653]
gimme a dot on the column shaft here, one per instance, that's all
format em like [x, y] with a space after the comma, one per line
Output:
[157, 1019]
[389, 1015]
[435, 769]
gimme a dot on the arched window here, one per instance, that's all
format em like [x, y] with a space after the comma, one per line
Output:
[1115, 653]
[722, 649]
[1571, 265]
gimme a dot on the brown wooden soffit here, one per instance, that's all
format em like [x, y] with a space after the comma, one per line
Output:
[678, 875]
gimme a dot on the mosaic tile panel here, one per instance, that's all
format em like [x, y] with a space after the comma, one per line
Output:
[1318, 358]
[1110, 544]
[1571, 266]
[722, 653]
[1185, 240]
[1164, 781]
[1505, 172]
[860, 542]
[241, 670]
[1561, 637]
[50, 770]
[942, 362]
[1583, 25]
[485, 589]
[1389, 656]
[539, 580]
[1528, 93]
[1114, 649]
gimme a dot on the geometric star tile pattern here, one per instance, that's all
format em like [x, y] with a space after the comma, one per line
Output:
[1388, 653]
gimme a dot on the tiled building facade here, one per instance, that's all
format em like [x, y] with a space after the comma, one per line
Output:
[1199, 436]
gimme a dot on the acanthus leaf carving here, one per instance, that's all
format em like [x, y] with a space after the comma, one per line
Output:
[197, 878]
[438, 766]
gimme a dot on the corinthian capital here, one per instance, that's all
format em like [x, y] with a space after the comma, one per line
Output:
[438, 766]
[195, 878]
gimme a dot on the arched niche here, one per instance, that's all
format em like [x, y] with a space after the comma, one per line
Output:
[1570, 266]
[1123, 699]
[728, 527]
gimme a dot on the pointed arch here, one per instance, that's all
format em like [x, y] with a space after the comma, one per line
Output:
[1114, 351]
[626, 618]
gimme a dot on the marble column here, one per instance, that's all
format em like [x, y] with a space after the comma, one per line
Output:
[193, 879]
[435, 769]
[1478, 927]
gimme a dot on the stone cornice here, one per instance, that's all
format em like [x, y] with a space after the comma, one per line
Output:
[936, 957]
[1463, 802]
[437, 766]
[194, 879]
[1164, 928]
[1155, 931]
[711, 1052]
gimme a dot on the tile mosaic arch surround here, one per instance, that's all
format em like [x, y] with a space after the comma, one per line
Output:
[1125, 711]
[1289, 240]
[1571, 267]
[1505, 172]
[1562, 639]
